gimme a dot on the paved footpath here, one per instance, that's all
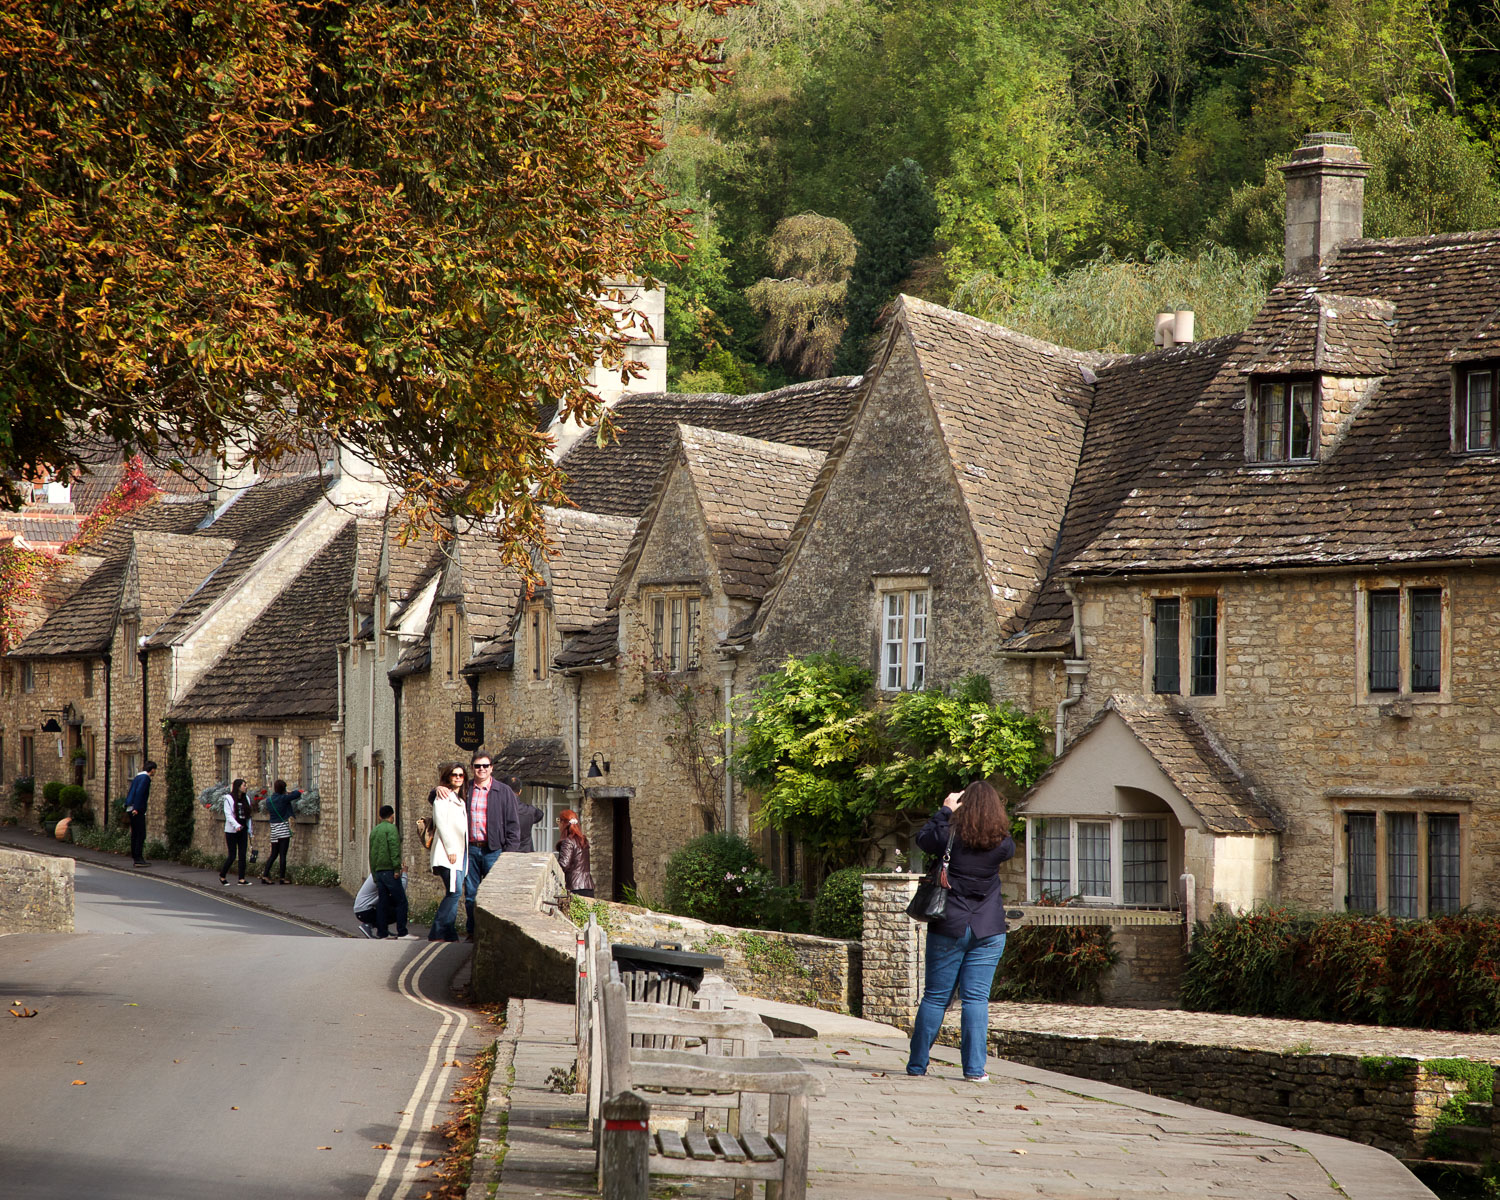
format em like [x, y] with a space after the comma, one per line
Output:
[1028, 1132]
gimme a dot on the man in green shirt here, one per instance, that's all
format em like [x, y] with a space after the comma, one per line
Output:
[385, 865]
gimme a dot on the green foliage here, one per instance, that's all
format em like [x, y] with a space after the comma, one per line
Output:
[24, 787]
[115, 839]
[1383, 1069]
[314, 875]
[1478, 1079]
[719, 878]
[840, 771]
[1442, 973]
[1110, 305]
[181, 803]
[898, 230]
[52, 793]
[156, 849]
[75, 799]
[802, 303]
[839, 910]
[581, 908]
[1055, 964]
[769, 957]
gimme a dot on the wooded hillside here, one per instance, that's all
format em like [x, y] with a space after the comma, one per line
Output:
[1067, 167]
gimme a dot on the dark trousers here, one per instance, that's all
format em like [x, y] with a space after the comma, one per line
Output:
[235, 844]
[445, 924]
[279, 846]
[390, 903]
[137, 836]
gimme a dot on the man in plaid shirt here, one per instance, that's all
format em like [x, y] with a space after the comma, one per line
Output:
[494, 826]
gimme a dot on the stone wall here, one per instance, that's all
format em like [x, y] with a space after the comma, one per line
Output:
[36, 893]
[794, 968]
[893, 951]
[1323, 1093]
[1293, 710]
[524, 947]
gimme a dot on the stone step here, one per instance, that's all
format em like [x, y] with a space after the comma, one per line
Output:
[1470, 1137]
[1436, 1172]
[1478, 1113]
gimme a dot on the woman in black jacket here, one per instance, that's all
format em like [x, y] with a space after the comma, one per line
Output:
[964, 944]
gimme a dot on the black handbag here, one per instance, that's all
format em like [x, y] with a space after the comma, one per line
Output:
[930, 901]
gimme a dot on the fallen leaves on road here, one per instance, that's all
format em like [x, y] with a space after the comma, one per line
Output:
[845, 1053]
[457, 1062]
[877, 1074]
[1022, 1108]
[1018, 1152]
[381, 1146]
[426, 1162]
[80, 1083]
[234, 1108]
[325, 1147]
[21, 1012]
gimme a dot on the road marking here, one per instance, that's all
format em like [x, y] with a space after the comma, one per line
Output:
[432, 1084]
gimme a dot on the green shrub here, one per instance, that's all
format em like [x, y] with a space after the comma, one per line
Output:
[1442, 973]
[24, 788]
[115, 839]
[181, 804]
[75, 799]
[314, 875]
[156, 849]
[1055, 964]
[717, 878]
[839, 910]
[52, 793]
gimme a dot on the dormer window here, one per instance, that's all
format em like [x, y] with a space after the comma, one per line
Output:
[1480, 399]
[1283, 417]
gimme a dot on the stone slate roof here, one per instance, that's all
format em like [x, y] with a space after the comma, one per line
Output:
[471, 569]
[588, 549]
[1483, 341]
[1138, 402]
[84, 623]
[594, 647]
[750, 492]
[1193, 759]
[169, 567]
[285, 664]
[1332, 335]
[618, 478]
[535, 760]
[370, 535]
[1012, 411]
[255, 521]
[409, 567]
[40, 530]
[1391, 491]
[497, 656]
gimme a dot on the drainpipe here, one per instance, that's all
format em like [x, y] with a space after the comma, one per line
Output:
[577, 682]
[1077, 670]
[396, 691]
[108, 742]
[145, 709]
[728, 749]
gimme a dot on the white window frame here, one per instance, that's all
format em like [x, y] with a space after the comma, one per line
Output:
[1115, 896]
[1383, 809]
[310, 763]
[904, 632]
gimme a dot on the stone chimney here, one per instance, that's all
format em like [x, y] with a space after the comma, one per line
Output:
[1325, 200]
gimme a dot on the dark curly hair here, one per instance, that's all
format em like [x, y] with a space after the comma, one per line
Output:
[981, 822]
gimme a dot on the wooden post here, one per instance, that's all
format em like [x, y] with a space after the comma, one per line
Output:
[627, 1173]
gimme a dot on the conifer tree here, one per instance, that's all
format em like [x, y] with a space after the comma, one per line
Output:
[180, 795]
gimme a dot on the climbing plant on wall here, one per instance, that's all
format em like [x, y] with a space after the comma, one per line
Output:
[181, 798]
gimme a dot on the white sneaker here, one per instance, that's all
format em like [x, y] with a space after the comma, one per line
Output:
[368, 930]
[976, 1078]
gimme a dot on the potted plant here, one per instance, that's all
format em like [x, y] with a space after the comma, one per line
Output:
[25, 792]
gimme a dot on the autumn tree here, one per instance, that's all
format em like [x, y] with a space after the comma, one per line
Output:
[260, 223]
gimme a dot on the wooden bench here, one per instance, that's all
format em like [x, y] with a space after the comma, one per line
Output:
[746, 1113]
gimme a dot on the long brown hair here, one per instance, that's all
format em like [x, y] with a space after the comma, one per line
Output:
[571, 826]
[980, 822]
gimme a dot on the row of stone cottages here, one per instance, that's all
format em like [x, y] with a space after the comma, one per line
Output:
[1253, 578]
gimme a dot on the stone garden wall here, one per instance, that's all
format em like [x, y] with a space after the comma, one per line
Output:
[36, 893]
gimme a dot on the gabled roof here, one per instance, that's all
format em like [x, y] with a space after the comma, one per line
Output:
[1138, 402]
[618, 478]
[1324, 334]
[1391, 491]
[285, 664]
[535, 760]
[1191, 757]
[749, 492]
[370, 535]
[84, 623]
[169, 567]
[256, 520]
[588, 549]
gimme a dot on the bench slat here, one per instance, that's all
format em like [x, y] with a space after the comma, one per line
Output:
[778, 1143]
[671, 1144]
[718, 1169]
[729, 1147]
[757, 1148]
[697, 1144]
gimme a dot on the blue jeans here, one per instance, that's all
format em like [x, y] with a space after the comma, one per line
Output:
[443, 927]
[969, 964]
[480, 862]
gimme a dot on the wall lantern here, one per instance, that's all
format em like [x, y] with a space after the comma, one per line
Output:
[594, 764]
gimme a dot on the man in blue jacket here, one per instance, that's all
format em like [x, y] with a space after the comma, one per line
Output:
[135, 808]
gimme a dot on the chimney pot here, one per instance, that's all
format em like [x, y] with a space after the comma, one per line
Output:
[1325, 200]
[1164, 324]
[1182, 326]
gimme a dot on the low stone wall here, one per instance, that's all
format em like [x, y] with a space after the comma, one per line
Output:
[36, 893]
[522, 945]
[1343, 1095]
[795, 968]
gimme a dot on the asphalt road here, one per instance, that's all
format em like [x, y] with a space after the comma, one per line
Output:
[185, 1046]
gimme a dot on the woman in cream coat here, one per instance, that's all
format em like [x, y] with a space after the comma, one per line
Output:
[450, 848]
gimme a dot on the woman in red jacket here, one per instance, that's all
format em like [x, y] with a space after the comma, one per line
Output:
[573, 854]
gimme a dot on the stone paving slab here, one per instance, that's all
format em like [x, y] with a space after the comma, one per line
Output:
[1246, 1033]
[1028, 1132]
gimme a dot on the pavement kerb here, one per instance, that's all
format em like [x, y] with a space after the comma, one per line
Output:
[489, 1150]
[16, 838]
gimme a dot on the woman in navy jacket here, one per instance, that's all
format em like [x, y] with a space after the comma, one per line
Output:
[964, 945]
